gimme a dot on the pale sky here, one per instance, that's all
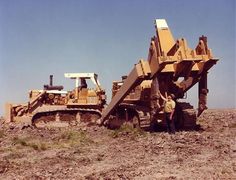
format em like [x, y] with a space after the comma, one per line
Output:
[43, 37]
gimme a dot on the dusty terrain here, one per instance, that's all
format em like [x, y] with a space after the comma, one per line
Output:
[99, 153]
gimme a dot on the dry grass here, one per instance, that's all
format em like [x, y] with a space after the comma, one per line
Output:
[65, 139]
[73, 138]
[28, 142]
[127, 129]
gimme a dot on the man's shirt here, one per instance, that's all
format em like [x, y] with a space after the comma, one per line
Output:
[169, 106]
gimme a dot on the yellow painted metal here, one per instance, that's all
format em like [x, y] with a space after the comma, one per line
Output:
[138, 74]
[170, 60]
[165, 37]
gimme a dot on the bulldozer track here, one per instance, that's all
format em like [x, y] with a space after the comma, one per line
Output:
[186, 117]
[61, 116]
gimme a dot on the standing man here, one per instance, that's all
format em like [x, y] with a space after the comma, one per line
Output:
[169, 109]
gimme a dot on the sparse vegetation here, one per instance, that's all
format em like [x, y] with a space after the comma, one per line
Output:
[25, 141]
[125, 153]
[21, 141]
[73, 138]
[65, 139]
[127, 129]
[14, 155]
[71, 135]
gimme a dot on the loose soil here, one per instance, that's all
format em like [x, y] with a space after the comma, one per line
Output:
[99, 153]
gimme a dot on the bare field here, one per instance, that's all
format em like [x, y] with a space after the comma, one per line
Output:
[98, 153]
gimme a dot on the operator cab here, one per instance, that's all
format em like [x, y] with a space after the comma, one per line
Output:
[84, 94]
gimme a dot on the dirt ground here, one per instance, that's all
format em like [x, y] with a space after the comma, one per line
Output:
[98, 153]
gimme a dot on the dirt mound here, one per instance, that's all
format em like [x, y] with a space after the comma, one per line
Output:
[96, 152]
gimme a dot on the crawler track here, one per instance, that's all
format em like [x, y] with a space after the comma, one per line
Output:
[185, 116]
[61, 116]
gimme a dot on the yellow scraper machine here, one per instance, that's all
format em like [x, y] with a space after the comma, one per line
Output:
[171, 68]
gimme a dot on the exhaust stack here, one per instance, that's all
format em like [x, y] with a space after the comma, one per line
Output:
[50, 86]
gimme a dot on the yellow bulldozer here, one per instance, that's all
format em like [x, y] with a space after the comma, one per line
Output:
[171, 68]
[54, 107]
